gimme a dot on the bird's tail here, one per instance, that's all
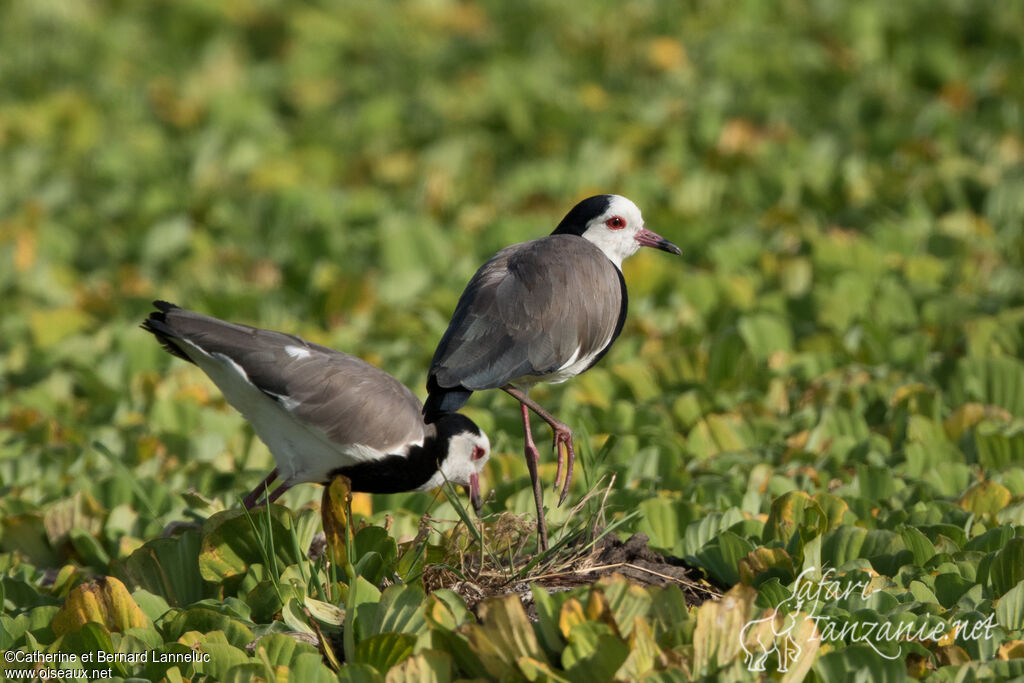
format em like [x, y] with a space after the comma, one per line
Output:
[442, 400]
[157, 324]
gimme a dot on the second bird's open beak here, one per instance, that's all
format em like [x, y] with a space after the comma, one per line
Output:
[649, 238]
[474, 493]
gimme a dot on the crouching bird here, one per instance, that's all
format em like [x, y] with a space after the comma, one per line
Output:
[541, 311]
[324, 413]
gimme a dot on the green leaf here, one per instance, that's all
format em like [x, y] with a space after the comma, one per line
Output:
[765, 334]
[356, 672]
[644, 653]
[206, 620]
[26, 534]
[153, 606]
[1007, 568]
[990, 380]
[1010, 608]
[664, 521]
[503, 635]
[401, 610]
[279, 650]
[50, 327]
[594, 653]
[234, 539]
[719, 635]
[985, 498]
[91, 637]
[791, 511]
[999, 445]
[762, 564]
[716, 434]
[700, 532]
[223, 658]
[361, 608]
[293, 615]
[843, 544]
[266, 599]
[384, 650]
[836, 509]
[325, 612]
[847, 664]
[627, 602]
[918, 544]
[309, 667]
[429, 666]
[36, 622]
[168, 567]
[548, 609]
[376, 553]
[721, 556]
[993, 539]
[950, 587]
[669, 610]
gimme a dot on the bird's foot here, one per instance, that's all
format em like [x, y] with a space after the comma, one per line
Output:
[563, 441]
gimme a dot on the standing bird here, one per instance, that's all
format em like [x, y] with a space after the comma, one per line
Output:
[541, 311]
[322, 412]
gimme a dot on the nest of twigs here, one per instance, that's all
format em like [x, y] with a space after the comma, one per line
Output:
[499, 556]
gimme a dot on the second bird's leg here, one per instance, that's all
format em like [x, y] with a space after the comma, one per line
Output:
[278, 492]
[532, 458]
[563, 436]
[250, 500]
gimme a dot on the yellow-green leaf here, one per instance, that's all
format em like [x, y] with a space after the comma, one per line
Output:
[105, 601]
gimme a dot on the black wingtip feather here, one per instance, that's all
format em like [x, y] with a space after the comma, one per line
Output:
[156, 324]
[442, 401]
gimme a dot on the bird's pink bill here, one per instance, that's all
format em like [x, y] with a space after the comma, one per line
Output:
[649, 238]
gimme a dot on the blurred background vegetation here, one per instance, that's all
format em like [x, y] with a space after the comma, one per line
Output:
[846, 181]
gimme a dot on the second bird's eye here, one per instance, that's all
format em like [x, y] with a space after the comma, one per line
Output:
[615, 223]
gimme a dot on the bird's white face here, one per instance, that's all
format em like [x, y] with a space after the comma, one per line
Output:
[615, 231]
[620, 231]
[467, 455]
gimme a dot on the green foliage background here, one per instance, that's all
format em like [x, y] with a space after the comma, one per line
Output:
[846, 181]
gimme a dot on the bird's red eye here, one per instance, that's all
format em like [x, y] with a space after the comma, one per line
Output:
[615, 223]
[478, 453]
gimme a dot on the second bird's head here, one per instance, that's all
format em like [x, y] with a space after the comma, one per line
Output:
[613, 224]
[467, 453]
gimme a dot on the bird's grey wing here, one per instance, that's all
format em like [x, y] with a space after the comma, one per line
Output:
[530, 310]
[351, 401]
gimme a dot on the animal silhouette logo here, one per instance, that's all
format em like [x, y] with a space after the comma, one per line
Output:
[772, 633]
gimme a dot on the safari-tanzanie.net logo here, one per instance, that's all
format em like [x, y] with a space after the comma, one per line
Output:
[805, 619]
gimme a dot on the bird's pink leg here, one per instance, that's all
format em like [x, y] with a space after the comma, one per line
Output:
[563, 437]
[250, 500]
[532, 458]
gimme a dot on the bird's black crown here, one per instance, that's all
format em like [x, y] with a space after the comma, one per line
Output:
[575, 222]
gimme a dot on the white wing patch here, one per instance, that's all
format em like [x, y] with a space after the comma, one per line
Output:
[230, 362]
[572, 359]
[574, 366]
[287, 402]
[297, 352]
